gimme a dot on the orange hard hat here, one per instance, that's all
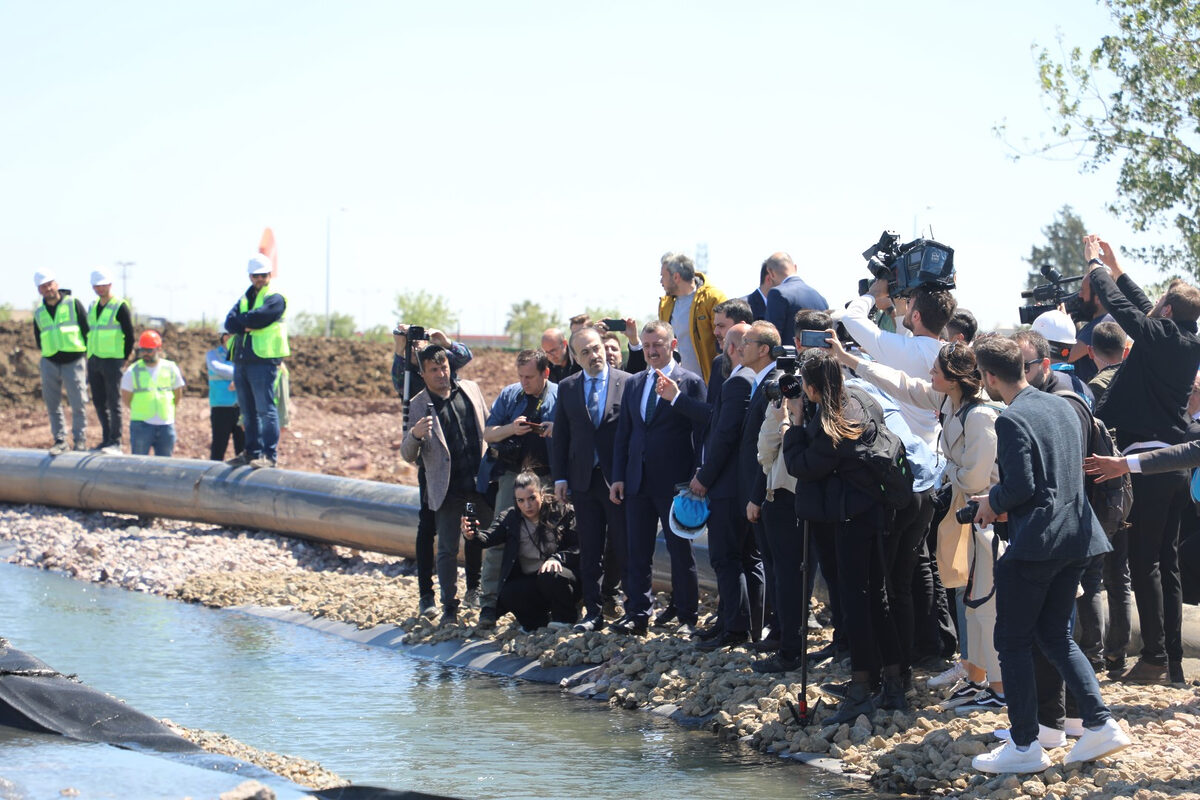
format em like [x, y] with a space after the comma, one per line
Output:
[150, 340]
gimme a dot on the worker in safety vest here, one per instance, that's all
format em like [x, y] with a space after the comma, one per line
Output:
[152, 387]
[61, 330]
[260, 343]
[109, 345]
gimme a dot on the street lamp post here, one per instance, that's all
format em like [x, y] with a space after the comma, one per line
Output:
[328, 325]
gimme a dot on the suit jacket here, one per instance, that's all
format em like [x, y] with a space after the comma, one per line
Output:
[576, 441]
[758, 305]
[786, 299]
[719, 470]
[432, 450]
[752, 480]
[1038, 447]
[1169, 459]
[652, 459]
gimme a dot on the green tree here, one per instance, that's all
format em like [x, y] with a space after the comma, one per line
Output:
[425, 309]
[1135, 98]
[1063, 249]
[308, 324]
[526, 321]
[6, 310]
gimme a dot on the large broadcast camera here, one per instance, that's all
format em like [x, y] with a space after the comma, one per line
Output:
[1050, 296]
[789, 386]
[921, 262]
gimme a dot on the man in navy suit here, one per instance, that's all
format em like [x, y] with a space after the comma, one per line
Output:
[791, 294]
[655, 450]
[581, 455]
[758, 298]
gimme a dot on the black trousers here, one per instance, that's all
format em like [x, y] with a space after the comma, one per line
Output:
[872, 631]
[643, 515]
[426, 537]
[598, 522]
[936, 629]
[784, 536]
[224, 421]
[822, 539]
[901, 552]
[1158, 502]
[1189, 568]
[739, 568]
[539, 598]
[104, 382]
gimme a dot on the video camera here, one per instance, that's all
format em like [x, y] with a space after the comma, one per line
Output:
[789, 385]
[921, 262]
[414, 333]
[1049, 296]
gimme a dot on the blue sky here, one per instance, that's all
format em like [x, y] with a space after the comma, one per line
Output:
[495, 152]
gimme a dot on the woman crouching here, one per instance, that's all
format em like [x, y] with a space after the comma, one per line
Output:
[539, 580]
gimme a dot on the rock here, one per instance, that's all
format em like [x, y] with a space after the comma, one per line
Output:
[1033, 788]
[969, 747]
[249, 790]
[835, 751]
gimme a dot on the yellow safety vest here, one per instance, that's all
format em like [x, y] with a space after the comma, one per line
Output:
[271, 341]
[60, 333]
[153, 398]
[105, 337]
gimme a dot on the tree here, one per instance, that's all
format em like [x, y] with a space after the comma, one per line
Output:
[6, 310]
[308, 324]
[1063, 249]
[1134, 97]
[425, 309]
[526, 321]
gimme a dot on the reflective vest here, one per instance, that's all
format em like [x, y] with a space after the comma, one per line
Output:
[271, 341]
[60, 333]
[153, 398]
[105, 337]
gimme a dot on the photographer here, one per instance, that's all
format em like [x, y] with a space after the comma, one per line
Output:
[822, 451]
[1145, 403]
[517, 432]
[538, 582]
[457, 355]
[1052, 336]
[1095, 313]
[1052, 534]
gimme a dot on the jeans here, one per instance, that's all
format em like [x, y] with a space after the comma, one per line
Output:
[73, 377]
[1034, 603]
[224, 421]
[143, 436]
[104, 379]
[448, 519]
[255, 382]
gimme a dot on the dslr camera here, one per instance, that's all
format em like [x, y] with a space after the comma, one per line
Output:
[921, 262]
[789, 386]
[414, 333]
[1050, 295]
[966, 514]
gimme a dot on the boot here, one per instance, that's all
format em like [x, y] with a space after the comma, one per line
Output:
[858, 700]
[892, 697]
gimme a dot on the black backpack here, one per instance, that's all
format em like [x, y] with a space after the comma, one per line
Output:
[1111, 499]
[883, 453]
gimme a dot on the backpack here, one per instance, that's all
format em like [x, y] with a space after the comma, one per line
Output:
[1112, 499]
[885, 458]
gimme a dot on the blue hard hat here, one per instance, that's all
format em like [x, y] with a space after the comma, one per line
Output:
[689, 515]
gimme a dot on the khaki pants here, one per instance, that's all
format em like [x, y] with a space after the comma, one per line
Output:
[981, 622]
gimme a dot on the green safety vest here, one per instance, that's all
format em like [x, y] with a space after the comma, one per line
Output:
[153, 399]
[271, 341]
[105, 337]
[60, 333]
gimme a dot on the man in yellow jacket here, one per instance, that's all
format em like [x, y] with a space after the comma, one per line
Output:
[687, 304]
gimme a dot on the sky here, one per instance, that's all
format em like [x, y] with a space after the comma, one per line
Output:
[552, 151]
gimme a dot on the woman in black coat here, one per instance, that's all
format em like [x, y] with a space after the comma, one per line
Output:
[824, 452]
[538, 581]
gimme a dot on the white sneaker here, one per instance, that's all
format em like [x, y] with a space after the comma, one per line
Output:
[1095, 744]
[1073, 727]
[1048, 738]
[956, 673]
[1007, 758]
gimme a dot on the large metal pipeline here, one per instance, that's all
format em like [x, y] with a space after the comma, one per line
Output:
[380, 517]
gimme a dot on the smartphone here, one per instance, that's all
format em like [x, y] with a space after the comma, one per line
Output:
[615, 325]
[535, 426]
[814, 339]
[429, 409]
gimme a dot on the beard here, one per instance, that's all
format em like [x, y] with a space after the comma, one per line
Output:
[993, 394]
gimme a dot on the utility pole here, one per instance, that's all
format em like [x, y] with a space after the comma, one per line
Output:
[328, 325]
[124, 265]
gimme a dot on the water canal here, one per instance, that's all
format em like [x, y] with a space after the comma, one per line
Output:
[375, 716]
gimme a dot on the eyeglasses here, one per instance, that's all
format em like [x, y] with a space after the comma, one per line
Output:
[1029, 364]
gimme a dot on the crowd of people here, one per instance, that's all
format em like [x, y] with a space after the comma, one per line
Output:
[779, 426]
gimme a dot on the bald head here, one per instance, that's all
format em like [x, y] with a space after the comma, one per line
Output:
[780, 265]
[733, 343]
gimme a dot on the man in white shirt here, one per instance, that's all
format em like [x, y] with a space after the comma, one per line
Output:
[152, 387]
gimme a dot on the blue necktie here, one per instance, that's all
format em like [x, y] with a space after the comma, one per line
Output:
[651, 405]
[593, 400]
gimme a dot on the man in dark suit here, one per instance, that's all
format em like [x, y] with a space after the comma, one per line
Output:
[791, 294]
[758, 298]
[1052, 534]
[653, 452]
[581, 456]
[731, 547]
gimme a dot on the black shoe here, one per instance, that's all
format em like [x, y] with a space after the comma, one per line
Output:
[727, 639]
[1115, 667]
[766, 646]
[1175, 671]
[240, 460]
[892, 696]
[592, 622]
[666, 615]
[776, 663]
[826, 652]
[858, 700]
[711, 632]
[488, 617]
[449, 617]
[837, 690]
[426, 607]
[685, 631]
[629, 626]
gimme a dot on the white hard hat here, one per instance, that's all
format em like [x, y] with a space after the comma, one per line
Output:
[258, 265]
[101, 278]
[1056, 327]
[44, 277]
